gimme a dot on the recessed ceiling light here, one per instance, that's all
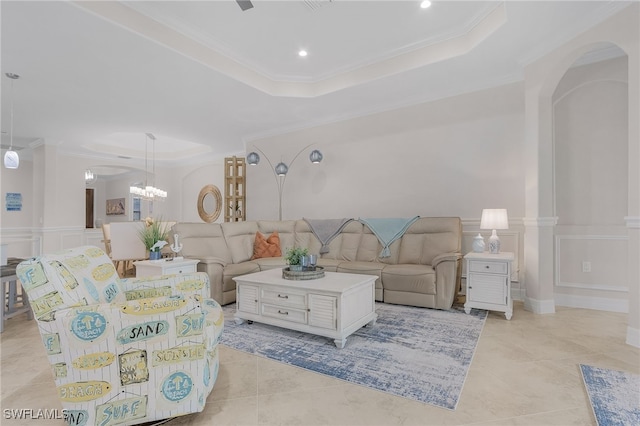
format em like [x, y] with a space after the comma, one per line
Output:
[302, 53]
[425, 4]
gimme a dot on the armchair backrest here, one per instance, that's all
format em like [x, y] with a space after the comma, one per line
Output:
[80, 276]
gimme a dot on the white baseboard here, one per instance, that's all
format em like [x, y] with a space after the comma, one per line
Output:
[598, 303]
[633, 337]
[539, 306]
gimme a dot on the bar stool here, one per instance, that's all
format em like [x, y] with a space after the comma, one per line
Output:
[14, 302]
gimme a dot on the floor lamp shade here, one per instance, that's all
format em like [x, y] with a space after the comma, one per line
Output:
[494, 219]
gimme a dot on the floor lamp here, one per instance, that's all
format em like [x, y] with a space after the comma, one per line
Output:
[281, 169]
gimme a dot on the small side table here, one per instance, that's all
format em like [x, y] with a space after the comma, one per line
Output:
[489, 282]
[148, 268]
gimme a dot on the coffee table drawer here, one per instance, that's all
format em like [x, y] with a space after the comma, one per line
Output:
[287, 298]
[285, 314]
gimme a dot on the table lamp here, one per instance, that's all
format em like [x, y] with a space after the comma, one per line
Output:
[494, 219]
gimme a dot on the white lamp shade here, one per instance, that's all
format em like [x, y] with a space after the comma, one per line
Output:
[11, 159]
[494, 219]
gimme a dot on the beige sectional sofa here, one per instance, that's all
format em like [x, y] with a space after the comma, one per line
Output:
[423, 268]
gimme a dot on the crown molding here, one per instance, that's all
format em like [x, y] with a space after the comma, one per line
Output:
[153, 30]
[578, 26]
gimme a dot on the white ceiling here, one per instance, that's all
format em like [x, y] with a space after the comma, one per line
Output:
[207, 78]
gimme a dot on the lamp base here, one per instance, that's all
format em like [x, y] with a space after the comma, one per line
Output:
[494, 243]
[478, 244]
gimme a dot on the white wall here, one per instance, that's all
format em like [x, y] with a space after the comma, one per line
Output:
[193, 179]
[452, 157]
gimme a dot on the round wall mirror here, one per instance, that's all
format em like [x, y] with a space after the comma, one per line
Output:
[209, 203]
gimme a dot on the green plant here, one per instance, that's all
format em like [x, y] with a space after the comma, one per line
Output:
[152, 232]
[294, 255]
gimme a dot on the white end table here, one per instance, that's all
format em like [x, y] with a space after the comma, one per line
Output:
[149, 268]
[489, 282]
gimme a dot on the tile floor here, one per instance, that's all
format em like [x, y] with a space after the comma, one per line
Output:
[525, 372]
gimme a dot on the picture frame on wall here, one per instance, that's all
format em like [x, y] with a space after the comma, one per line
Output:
[115, 206]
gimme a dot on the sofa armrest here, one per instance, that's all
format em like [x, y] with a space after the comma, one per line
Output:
[446, 257]
[448, 271]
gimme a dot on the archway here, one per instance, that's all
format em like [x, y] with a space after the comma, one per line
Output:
[541, 80]
[590, 181]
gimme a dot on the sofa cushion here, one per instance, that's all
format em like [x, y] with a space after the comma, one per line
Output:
[266, 247]
[203, 241]
[271, 263]
[429, 237]
[345, 246]
[409, 278]
[240, 237]
[235, 269]
[284, 228]
[365, 268]
[369, 247]
[329, 265]
[305, 238]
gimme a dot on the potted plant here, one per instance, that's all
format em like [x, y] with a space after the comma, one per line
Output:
[293, 256]
[154, 236]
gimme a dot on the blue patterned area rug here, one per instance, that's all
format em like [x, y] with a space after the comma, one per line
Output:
[614, 395]
[417, 353]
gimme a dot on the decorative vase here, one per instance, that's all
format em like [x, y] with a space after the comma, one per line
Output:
[478, 244]
[155, 255]
[295, 267]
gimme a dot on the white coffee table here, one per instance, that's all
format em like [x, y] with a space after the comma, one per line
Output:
[334, 306]
[150, 268]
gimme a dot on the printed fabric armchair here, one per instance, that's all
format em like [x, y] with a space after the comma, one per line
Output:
[123, 351]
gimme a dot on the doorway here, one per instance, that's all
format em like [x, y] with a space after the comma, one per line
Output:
[89, 196]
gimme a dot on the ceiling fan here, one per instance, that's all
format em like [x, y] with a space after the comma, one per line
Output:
[244, 4]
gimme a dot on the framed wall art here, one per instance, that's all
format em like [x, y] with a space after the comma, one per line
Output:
[115, 206]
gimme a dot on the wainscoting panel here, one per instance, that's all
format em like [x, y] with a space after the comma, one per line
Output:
[21, 243]
[591, 262]
[94, 237]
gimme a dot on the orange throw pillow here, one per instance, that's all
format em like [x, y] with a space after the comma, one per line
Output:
[269, 247]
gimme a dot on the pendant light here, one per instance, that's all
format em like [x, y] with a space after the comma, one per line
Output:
[149, 192]
[11, 159]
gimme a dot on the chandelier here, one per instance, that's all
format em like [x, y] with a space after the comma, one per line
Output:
[90, 177]
[149, 192]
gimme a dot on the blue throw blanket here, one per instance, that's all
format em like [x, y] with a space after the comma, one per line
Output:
[325, 230]
[388, 230]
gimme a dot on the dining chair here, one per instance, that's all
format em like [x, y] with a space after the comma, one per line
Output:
[126, 246]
